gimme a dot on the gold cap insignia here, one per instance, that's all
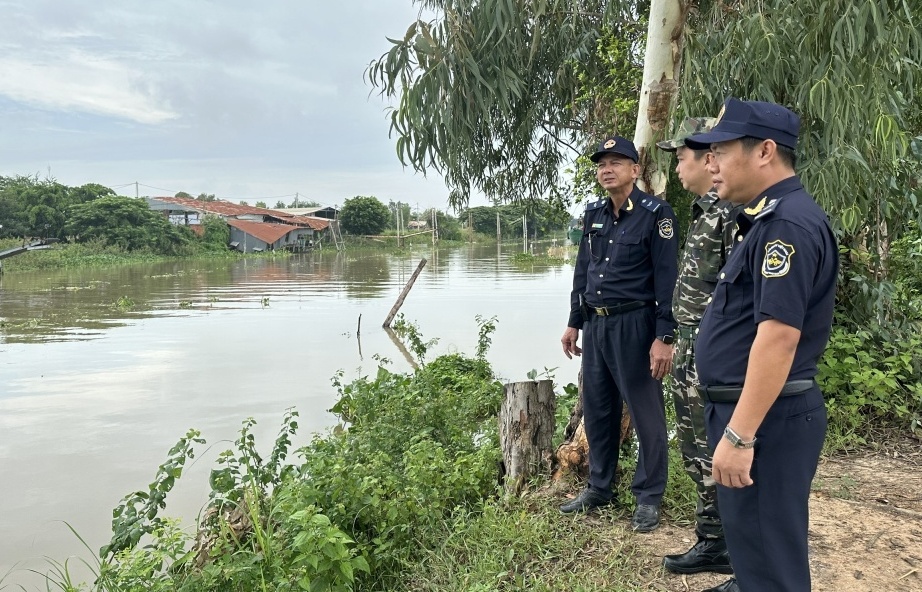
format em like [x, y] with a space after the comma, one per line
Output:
[608, 144]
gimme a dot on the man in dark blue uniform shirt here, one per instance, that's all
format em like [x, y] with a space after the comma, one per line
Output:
[758, 346]
[622, 300]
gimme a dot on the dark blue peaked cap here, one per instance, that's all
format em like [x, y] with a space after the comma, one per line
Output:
[615, 145]
[757, 119]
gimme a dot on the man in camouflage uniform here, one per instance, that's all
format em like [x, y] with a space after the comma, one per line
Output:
[707, 246]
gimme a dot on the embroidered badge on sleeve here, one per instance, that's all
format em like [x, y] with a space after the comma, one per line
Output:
[777, 262]
[665, 228]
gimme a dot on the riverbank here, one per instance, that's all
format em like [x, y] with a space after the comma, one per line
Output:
[80, 255]
[406, 499]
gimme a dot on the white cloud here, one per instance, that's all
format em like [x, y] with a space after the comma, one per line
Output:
[82, 82]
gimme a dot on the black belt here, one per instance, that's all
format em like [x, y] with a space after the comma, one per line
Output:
[720, 393]
[616, 309]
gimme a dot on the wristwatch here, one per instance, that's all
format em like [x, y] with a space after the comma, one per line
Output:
[667, 339]
[735, 439]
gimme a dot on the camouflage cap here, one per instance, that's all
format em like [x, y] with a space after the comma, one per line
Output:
[691, 126]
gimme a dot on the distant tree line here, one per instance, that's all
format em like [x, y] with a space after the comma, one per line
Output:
[43, 208]
[367, 215]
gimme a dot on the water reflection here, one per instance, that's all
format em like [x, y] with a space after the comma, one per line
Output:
[93, 394]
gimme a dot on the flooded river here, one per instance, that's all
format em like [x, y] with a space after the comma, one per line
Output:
[103, 370]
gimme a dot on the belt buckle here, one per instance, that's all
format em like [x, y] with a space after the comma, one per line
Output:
[601, 311]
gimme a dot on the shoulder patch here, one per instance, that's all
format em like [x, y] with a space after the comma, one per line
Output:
[778, 256]
[666, 229]
[594, 205]
[650, 204]
[768, 209]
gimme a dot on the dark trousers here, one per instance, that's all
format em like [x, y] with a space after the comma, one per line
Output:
[616, 368]
[765, 524]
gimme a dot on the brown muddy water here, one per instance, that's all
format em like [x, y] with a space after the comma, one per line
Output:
[93, 394]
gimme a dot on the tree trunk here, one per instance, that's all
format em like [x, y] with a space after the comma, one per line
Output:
[662, 68]
[526, 430]
[572, 455]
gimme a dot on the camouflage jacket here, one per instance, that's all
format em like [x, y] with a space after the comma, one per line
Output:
[707, 247]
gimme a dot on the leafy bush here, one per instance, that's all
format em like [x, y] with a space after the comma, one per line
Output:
[411, 451]
[870, 382]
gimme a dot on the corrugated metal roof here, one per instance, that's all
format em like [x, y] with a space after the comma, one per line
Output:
[268, 232]
[227, 209]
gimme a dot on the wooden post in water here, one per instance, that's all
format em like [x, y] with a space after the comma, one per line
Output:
[526, 429]
[403, 295]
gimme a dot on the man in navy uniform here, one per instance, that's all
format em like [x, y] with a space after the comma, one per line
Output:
[622, 300]
[759, 343]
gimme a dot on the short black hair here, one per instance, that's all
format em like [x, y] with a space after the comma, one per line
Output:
[785, 153]
[699, 154]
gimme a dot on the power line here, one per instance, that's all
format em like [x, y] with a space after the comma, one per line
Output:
[299, 194]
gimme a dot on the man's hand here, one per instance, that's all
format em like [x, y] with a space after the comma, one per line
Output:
[660, 359]
[570, 349]
[731, 465]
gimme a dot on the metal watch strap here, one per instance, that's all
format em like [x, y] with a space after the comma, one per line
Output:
[736, 440]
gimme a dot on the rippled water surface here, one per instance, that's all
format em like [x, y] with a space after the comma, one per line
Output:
[103, 370]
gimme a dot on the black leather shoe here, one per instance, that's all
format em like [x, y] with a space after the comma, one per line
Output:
[646, 518]
[728, 586]
[587, 501]
[706, 555]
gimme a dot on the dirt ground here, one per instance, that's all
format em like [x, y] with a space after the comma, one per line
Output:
[865, 526]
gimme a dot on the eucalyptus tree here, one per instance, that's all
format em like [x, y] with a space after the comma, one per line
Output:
[496, 95]
[853, 71]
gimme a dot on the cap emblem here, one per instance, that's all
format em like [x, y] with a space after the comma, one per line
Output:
[608, 144]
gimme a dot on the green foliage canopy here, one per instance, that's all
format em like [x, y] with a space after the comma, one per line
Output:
[364, 215]
[125, 222]
[492, 94]
[851, 70]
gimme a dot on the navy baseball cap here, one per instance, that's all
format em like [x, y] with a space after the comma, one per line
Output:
[615, 145]
[756, 119]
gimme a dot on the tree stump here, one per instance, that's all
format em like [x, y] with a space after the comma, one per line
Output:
[572, 456]
[526, 430]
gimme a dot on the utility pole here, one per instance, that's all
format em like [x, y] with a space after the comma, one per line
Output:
[296, 199]
[498, 236]
[524, 234]
[136, 190]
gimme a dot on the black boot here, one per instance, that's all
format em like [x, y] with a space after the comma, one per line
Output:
[706, 555]
[587, 501]
[728, 586]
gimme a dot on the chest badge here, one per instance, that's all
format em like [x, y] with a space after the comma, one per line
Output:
[665, 228]
[597, 225]
[777, 262]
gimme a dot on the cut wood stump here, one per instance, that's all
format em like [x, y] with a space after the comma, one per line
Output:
[526, 431]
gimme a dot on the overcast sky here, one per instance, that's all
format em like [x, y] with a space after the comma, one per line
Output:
[243, 99]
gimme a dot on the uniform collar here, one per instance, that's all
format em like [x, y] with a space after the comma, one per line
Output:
[632, 201]
[770, 197]
[706, 202]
